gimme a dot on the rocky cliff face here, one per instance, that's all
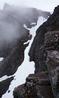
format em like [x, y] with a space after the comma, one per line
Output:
[36, 86]
[45, 53]
[37, 53]
[13, 34]
[52, 60]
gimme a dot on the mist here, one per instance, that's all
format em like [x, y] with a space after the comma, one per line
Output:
[11, 24]
[8, 31]
[47, 5]
[12, 30]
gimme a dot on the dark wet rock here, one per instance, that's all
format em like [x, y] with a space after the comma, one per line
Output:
[19, 92]
[44, 83]
[52, 60]
[36, 86]
[4, 85]
[37, 52]
[52, 40]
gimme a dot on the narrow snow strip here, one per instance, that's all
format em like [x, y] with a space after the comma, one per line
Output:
[5, 77]
[33, 23]
[27, 42]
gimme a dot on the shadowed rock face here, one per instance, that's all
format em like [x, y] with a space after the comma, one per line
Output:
[4, 85]
[37, 52]
[52, 60]
[45, 53]
[36, 86]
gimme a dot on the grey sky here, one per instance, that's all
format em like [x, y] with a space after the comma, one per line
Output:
[41, 4]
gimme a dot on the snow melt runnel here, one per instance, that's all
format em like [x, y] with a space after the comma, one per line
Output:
[26, 67]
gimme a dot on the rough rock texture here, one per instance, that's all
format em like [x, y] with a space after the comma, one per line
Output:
[37, 52]
[12, 20]
[4, 85]
[45, 53]
[36, 86]
[11, 46]
[52, 60]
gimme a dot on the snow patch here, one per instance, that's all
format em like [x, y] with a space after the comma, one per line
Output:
[5, 77]
[1, 59]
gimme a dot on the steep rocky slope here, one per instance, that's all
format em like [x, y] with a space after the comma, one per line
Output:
[37, 53]
[36, 86]
[45, 53]
[13, 34]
